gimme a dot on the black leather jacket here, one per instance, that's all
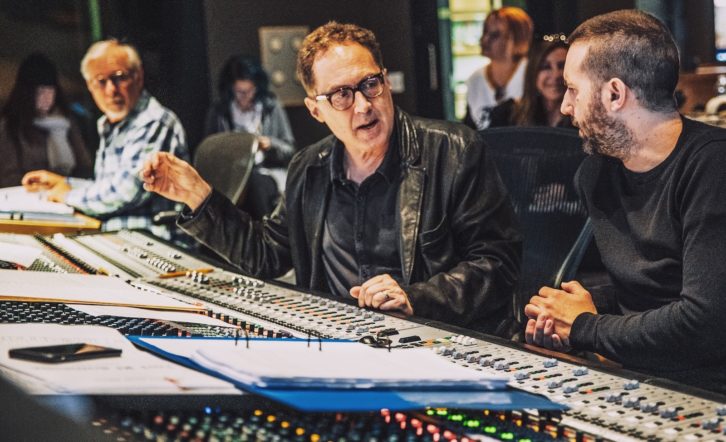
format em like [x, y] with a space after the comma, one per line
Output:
[459, 241]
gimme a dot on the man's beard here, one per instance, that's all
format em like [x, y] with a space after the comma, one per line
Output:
[604, 134]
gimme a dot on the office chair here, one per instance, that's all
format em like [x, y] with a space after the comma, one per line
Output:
[538, 165]
[225, 161]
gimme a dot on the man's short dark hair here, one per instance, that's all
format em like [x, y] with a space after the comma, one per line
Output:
[635, 47]
[329, 35]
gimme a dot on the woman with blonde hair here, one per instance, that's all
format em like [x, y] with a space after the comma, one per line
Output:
[505, 42]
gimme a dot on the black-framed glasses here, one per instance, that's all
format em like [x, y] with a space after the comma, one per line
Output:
[344, 97]
[118, 78]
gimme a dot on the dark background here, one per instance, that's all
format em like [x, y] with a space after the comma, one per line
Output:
[183, 43]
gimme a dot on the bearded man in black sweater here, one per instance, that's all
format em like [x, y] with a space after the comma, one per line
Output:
[655, 188]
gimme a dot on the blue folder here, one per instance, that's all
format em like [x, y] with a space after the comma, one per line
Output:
[345, 400]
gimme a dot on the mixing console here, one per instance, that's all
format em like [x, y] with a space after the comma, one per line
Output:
[605, 404]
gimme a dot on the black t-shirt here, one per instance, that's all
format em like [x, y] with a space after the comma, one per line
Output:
[662, 237]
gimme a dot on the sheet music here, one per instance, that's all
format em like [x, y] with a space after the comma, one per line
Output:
[82, 289]
[18, 200]
[134, 372]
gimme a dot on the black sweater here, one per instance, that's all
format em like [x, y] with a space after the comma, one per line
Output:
[662, 236]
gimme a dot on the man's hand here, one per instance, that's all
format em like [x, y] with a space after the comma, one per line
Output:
[552, 313]
[37, 180]
[174, 179]
[382, 292]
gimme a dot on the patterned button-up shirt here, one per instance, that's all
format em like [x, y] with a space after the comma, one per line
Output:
[116, 194]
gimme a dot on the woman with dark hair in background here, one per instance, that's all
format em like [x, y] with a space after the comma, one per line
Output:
[505, 42]
[544, 88]
[36, 128]
[247, 105]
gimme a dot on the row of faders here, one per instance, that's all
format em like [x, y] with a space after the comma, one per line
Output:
[602, 405]
[300, 313]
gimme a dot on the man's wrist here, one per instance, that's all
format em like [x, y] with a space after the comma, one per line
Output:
[198, 197]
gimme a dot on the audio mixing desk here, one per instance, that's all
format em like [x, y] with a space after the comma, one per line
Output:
[604, 403]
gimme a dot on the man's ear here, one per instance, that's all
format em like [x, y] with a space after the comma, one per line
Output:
[616, 93]
[312, 106]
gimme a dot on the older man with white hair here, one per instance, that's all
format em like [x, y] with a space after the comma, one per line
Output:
[134, 125]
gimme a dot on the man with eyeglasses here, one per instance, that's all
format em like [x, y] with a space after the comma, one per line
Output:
[402, 213]
[133, 126]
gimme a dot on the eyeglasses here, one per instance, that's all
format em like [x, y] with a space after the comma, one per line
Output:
[118, 78]
[344, 97]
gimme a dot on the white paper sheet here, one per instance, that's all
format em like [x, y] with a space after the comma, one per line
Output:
[17, 199]
[19, 254]
[134, 372]
[131, 312]
[82, 289]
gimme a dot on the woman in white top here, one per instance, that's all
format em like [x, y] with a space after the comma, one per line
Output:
[505, 42]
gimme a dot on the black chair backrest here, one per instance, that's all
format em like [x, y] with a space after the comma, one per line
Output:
[225, 160]
[538, 165]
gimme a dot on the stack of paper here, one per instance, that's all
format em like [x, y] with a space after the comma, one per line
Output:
[298, 364]
[18, 200]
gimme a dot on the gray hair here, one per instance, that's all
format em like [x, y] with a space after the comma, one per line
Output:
[99, 50]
